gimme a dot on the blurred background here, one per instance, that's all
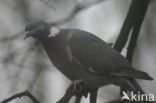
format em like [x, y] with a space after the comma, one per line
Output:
[24, 64]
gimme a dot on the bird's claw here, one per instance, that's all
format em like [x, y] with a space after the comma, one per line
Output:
[77, 86]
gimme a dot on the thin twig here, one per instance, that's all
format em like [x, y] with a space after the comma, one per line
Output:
[78, 7]
[19, 95]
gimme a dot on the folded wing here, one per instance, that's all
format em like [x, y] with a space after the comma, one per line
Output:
[97, 56]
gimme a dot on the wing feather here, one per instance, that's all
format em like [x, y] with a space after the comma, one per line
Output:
[96, 56]
[92, 52]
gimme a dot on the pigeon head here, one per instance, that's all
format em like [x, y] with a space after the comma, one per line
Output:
[36, 29]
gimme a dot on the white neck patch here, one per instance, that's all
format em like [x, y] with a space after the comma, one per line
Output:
[53, 31]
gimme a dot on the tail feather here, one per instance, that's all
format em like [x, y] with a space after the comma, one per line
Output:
[140, 75]
[132, 73]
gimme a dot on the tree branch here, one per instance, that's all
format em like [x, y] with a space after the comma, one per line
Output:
[78, 7]
[136, 30]
[68, 95]
[135, 11]
[19, 95]
[93, 95]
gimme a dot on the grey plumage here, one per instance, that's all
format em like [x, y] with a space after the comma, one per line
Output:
[96, 54]
[81, 55]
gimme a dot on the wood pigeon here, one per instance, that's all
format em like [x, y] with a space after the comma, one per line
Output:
[82, 56]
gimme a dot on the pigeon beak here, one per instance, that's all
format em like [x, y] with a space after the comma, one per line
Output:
[26, 35]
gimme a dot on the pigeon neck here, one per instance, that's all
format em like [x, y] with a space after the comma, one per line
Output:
[51, 34]
[44, 35]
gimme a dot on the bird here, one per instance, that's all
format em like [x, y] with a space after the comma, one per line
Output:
[83, 57]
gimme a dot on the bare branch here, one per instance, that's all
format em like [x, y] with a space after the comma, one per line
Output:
[93, 95]
[19, 95]
[136, 30]
[135, 11]
[78, 7]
